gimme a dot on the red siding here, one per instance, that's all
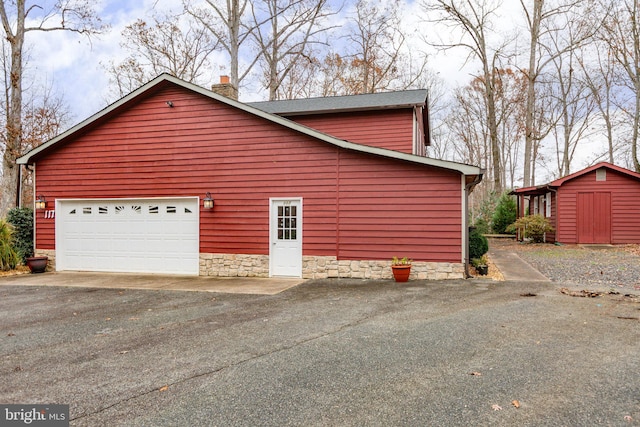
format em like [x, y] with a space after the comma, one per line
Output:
[353, 203]
[398, 209]
[625, 205]
[392, 129]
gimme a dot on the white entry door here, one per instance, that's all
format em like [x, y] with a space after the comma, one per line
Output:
[128, 235]
[286, 237]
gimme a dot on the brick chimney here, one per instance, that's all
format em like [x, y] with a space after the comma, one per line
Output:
[225, 88]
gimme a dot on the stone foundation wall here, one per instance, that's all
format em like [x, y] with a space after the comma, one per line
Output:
[313, 267]
[330, 267]
[234, 265]
[322, 267]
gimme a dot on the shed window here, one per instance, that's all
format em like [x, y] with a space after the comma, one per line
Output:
[547, 205]
[601, 174]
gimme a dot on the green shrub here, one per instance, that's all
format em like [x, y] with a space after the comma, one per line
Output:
[532, 227]
[477, 262]
[9, 258]
[22, 221]
[505, 213]
[482, 226]
[478, 245]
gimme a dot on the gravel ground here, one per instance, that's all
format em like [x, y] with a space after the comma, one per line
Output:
[616, 267]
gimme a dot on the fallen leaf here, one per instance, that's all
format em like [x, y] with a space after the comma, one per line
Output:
[476, 374]
[17, 369]
[496, 407]
[515, 403]
[108, 318]
[164, 388]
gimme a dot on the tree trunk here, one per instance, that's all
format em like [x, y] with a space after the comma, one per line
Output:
[9, 184]
[493, 136]
[636, 77]
[530, 133]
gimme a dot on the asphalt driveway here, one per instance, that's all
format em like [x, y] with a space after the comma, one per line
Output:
[325, 353]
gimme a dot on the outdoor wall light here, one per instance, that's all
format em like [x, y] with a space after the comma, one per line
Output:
[208, 201]
[41, 202]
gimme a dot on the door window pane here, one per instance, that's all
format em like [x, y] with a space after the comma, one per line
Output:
[287, 222]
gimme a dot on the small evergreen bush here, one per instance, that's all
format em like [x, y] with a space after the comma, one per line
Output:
[532, 226]
[9, 258]
[482, 226]
[505, 214]
[22, 221]
[478, 245]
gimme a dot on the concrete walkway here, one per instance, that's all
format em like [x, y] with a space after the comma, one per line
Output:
[231, 285]
[513, 267]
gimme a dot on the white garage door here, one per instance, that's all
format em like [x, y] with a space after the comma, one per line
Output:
[128, 235]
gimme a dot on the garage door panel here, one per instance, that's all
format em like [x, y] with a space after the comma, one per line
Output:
[142, 236]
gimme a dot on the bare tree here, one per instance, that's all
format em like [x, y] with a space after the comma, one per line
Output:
[598, 73]
[376, 40]
[510, 108]
[45, 115]
[474, 19]
[621, 31]
[67, 15]
[228, 23]
[547, 19]
[284, 31]
[574, 109]
[162, 47]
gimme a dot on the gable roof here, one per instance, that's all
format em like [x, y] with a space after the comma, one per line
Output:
[165, 80]
[338, 104]
[558, 182]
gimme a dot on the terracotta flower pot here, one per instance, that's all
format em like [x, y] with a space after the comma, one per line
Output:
[401, 272]
[37, 264]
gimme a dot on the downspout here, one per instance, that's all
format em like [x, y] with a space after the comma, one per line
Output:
[467, 191]
[18, 188]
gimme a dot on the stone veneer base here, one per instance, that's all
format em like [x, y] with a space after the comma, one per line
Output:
[313, 267]
[323, 267]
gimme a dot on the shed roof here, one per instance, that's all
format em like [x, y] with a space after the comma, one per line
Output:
[472, 172]
[540, 189]
[336, 104]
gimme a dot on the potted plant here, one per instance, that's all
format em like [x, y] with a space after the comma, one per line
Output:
[401, 268]
[37, 264]
[481, 265]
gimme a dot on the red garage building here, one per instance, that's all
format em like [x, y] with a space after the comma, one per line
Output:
[128, 189]
[599, 204]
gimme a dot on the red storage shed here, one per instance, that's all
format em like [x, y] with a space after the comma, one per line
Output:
[126, 191]
[597, 205]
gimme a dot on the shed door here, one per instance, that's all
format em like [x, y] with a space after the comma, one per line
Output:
[128, 235]
[594, 217]
[285, 256]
